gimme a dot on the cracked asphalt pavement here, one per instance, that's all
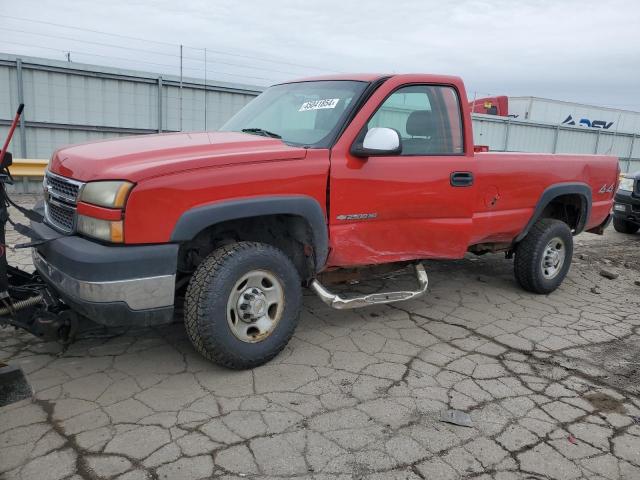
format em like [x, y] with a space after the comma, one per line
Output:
[551, 384]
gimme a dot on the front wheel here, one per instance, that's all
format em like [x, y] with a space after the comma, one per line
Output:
[242, 304]
[543, 257]
[624, 226]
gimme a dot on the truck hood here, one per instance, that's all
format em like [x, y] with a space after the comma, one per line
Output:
[145, 156]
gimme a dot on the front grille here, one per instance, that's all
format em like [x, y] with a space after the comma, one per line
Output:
[60, 216]
[61, 197]
[63, 187]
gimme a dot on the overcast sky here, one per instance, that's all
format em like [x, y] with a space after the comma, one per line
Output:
[579, 50]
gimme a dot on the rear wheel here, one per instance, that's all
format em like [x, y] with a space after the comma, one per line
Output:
[624, 226]
[242, 304]
[543, 257]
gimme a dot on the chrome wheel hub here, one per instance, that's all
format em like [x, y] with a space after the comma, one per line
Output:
[255, 306]
[252, 305]
[553, 258]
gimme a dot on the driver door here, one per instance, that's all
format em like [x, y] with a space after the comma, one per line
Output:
[412, 205]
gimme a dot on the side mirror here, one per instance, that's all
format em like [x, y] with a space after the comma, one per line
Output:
[378, 141]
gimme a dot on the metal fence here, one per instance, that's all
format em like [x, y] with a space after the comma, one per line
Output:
[71, 103]
[509, 135]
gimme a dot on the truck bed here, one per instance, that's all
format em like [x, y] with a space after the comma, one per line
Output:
[509, 185]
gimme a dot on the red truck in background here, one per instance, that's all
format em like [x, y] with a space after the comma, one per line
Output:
[311, 176]
[498, 105]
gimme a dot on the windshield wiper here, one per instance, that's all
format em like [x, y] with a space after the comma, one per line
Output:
[261, 131]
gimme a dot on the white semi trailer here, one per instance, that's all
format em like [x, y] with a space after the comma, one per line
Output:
[559, 112]
[568, 113]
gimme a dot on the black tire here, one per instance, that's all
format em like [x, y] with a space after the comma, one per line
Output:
[207, 300]
[530, 252]
[624, 226]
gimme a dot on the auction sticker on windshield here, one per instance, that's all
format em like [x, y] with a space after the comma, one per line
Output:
[319, 104]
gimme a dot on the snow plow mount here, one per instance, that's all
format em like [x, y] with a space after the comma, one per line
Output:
[31, 306]
[25, 300]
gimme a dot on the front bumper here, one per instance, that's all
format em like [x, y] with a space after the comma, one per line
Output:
[111, 285]
[627, 206]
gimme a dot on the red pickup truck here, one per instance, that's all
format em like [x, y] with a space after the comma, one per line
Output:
[312, 175]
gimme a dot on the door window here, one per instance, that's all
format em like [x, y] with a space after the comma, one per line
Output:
[427, 117]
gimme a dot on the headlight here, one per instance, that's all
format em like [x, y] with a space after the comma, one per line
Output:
[626, 185]
[619, 207]
[107, 230]
[110, 194]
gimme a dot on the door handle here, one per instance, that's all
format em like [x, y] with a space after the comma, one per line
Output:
[461, 179]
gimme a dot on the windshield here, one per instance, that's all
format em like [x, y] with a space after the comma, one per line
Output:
[305, 113]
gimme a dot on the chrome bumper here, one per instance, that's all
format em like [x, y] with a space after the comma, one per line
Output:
[138, 293]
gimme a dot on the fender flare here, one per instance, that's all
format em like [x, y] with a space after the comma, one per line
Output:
[195, 220]
[554, 191]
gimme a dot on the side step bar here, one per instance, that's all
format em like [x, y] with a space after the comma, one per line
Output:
[336, 301]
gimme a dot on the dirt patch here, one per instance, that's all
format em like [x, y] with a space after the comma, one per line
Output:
[618, 363]
[605, 403]
[614, 250]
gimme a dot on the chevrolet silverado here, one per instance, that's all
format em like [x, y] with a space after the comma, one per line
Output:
[311, 176]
